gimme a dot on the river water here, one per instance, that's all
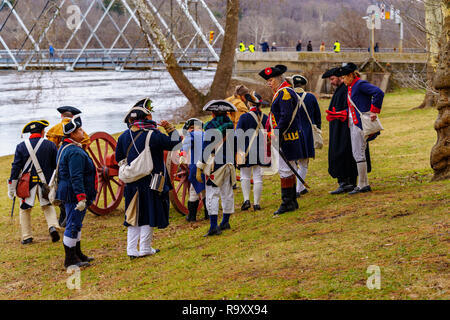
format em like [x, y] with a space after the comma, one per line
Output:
[104, 97]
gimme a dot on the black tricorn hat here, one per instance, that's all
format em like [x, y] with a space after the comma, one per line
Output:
[299, 80]
[332, 72]
[347, 68]
[272, 72]
[255, 98]
[74, 111]
[220, 105]
[72, 125]
[35, 126]
[192, 121]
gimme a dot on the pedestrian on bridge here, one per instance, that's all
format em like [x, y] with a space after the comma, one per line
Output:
[264, 46]
[242, 47]
[337, 47]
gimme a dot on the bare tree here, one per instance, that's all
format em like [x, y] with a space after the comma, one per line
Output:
[350, 29]
[440, 153]
[224, 67]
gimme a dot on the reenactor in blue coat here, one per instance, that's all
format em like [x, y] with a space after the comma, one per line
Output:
[145, 208]
[284, 118]
[77, 189]
[308, 117]
[253, 156]
[341, 164]
[217, 164]
[45, 152]
[366, 98]
[192, 149]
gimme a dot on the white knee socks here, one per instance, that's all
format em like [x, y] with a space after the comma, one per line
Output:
[362, 173]
[302, 171]
[142, 235]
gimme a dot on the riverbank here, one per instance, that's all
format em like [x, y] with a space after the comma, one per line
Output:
[321, 251]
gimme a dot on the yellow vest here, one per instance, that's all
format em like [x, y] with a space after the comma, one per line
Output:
[251, 48]
[337, 47]
[242, 47]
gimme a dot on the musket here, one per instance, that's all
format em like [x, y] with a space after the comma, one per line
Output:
[283, 156]
[12, 210]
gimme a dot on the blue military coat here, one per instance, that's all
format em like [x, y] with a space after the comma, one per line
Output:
[366, 96]
[46, 156]
[76, 175]
[257, 150]
[153, 207]
[313, 108]
[193, 145]
[283, 106]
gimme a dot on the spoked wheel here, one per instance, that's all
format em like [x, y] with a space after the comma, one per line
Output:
[110, 188]
[179, 195]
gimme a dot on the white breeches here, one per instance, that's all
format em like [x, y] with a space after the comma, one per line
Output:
[246, 175]
[142, 235]
[302, 171]
[283, 170]
[193, 195]
[225, 193]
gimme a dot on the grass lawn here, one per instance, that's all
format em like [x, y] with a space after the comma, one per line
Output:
[321, 251]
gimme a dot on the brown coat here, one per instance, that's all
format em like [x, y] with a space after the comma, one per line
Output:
[240, 106]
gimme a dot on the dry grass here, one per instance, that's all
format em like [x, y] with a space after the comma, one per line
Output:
[321, 251]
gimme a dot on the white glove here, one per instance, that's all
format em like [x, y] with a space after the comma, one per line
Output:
[12, 189]
[81, 205]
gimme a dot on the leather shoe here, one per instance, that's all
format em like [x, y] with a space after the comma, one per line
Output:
[54, 234]
[27, 241]
[216, 231]
[256, 207]
[133, 257]
[246, 205]
[348, 187]
[224, 226]
[339, 190]
[360, 190]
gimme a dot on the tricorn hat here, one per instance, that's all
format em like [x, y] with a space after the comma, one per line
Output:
[141, 109]
[192, 121]
[272, 72]
[299, 80]
[255, 98]
[332, 72]
[72, 125]
[220, 105]
[347, 68]
[74, 111]
[35, 126]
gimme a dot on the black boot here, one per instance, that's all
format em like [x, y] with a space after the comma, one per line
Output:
[206, 212]
[294, 196]
[80, 255]
[62, 216]
[72, 259]
[286, 201]
[54, 234]
[246, 205]
[192, 210]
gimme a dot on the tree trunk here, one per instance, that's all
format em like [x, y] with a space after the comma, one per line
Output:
[440, 153]
[224, 68]
[433, 24]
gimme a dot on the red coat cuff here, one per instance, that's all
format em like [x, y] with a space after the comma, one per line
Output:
[374, 109]
[81, 197]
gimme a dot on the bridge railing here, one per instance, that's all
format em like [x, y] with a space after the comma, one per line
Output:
[343, 49]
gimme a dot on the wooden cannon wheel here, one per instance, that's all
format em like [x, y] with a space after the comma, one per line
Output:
[110, 189]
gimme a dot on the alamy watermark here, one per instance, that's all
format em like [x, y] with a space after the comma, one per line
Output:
[73, 282]
[374, 279]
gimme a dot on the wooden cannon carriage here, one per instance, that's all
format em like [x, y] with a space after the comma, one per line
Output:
[110, 187]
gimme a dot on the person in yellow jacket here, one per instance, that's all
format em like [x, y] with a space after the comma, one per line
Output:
[242, 47]
[239, 101]
[56, 135]
[251, 47]
[337, 47]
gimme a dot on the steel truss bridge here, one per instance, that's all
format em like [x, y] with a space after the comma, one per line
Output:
[104, 34]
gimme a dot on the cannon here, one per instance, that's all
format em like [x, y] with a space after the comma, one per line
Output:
[110, 188]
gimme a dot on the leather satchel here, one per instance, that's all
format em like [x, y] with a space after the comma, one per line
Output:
[23, 186]
[317, 133]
